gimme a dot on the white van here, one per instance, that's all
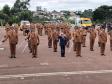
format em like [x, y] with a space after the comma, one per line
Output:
[25, 22]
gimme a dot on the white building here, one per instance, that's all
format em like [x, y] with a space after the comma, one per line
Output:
[56, 15]
[38, 8]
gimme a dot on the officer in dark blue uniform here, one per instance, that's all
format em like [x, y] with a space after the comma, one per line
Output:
[109, 27]
[63, 42]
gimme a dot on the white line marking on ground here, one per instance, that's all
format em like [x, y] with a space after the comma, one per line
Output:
[71, 46]
[1, 35]
[3, 65]
[44, 64]
[25, 48]
[21, 44]
[2, 48]
[56, 74]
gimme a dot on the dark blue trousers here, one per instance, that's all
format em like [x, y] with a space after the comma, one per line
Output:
[62, 50]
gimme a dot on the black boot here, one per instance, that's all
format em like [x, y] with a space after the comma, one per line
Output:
[14, 57]
[62, 55]
[34, 56]
[102, 54]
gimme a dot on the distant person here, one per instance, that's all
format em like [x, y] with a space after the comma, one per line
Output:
[49, 35]
[68, 35]
[110, 33]
[34, 40]
[103, 39]
[99, 30]
[24, 29]
[63, 41]
[78, 41]
[84, 31]
[55, 40]
[12, 35]
[74, 39]
[104, 25]
[92, 37]
[109, 27]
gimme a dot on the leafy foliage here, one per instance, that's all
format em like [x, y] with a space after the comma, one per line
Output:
[18, 12]
[103, 14]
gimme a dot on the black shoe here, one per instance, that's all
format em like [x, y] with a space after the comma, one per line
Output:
[83, 46]
[74, 50]
[91, 50]
[102, 54]
[55, 50]
[78, 56]
[34, 57]
[62, 56]
[30, 52]
[14, 57]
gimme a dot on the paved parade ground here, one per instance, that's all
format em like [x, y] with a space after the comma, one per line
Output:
[51, 68]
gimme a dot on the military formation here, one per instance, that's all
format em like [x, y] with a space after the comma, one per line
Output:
[57, 33]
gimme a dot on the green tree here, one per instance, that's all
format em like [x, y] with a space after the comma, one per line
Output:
[2, 19]
[20, 11]
[25, 15]
[103, 13]
[66, 14]
[88, 13]
[5, 14]
[6, 10]
[80, 13]
[20, 5]
[24, 4]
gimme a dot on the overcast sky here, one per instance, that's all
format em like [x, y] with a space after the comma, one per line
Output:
[62, 4]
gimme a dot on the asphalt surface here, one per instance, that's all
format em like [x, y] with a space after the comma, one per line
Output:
[12, 71]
